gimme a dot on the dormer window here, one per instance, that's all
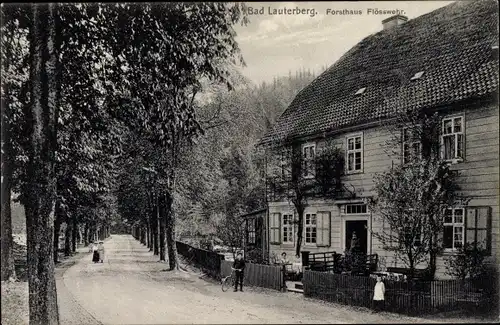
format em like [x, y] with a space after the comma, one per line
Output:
[360, 91]
[417, 75]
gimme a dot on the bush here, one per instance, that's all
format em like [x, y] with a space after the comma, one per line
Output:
[467, 263]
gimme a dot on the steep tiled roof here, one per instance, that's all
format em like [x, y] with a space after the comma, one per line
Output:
[452, 45]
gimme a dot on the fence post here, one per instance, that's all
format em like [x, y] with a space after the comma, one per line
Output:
[305, 258]
[283, 274]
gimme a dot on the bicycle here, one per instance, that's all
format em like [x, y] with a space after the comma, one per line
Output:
[228, 281]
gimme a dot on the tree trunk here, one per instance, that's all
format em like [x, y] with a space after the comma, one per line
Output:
[162, 217]
[143, 235]
[8, 270]
[7, 243]
[411, 270]
[300, 228]
[74, 234]
[431, 270]
[39, 190]
[86, 234]
[170, 233]
[80, 235]
[57, 230]
[148, 236]
[67, 238]
[156, 225]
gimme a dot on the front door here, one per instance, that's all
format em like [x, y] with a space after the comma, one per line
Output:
[360, 228]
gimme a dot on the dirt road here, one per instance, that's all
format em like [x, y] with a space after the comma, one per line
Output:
[131, 287]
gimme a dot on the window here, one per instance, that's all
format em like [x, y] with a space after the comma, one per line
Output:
[287, 228]
[274, 228]
[284, 163]
[452, 138]
[411, 145]
[310, 228]
[309, 153]
[251, 231]
[453, 236]
[355, 153]
[478, 224]
[283, 166]
[355, 209]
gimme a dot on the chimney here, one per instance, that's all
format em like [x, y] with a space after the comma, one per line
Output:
[394, 21]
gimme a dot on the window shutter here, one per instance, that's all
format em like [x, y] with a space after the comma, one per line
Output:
[323, 230]
[275, 227]
[478, 227]
[470, 226]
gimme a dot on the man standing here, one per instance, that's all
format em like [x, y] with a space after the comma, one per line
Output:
[239, 268]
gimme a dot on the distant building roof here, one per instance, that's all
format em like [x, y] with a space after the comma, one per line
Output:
[452, 46]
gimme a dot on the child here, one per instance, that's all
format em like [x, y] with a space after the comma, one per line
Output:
[378, 295]
[239, 267]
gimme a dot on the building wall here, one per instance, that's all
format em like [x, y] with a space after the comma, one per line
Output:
[479, 181]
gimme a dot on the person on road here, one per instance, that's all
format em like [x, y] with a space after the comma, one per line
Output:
[100, 248]
[379, 295]
[239, 268]
[95, 252]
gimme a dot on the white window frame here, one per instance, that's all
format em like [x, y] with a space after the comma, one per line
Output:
[455, 135]
[289, 226]
[252, 228]
[455, 226]
[309, 160]
[345, 212]
[411, 142]
[283, 166]
[310, 226]
[354, 151]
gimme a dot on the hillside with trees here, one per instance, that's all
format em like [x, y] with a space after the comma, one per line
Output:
[225, 162]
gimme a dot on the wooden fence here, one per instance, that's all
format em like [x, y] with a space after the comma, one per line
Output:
[210, 262]
[258, 275]
[411, 298]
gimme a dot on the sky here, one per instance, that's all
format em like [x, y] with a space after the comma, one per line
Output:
[274, 44]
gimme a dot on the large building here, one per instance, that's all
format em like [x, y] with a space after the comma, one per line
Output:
[446, 61]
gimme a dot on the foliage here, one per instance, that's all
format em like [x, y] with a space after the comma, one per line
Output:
[228, 170]
[468, 262]
[232, 232]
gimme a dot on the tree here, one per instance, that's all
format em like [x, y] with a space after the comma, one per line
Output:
[14, 76]
[412, 197]
[232, 232]
[299, 177]
[165, 50]
[39, 190]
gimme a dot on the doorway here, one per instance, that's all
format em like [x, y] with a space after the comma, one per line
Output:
[360, 227]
